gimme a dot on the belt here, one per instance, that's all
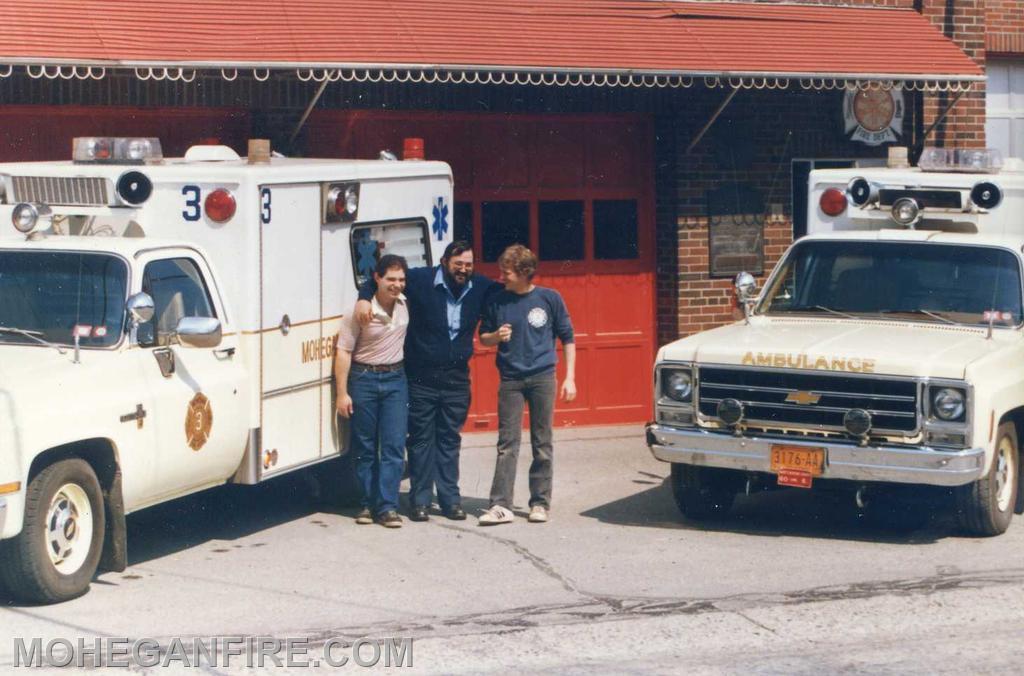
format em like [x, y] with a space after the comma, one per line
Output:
[379, 368]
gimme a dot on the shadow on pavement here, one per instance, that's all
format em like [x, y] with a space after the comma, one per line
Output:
[787, 512]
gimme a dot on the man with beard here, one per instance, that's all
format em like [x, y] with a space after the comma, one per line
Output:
[445, 304]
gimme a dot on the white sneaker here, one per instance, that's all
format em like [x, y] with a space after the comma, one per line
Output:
[495, 515]
[538, 514]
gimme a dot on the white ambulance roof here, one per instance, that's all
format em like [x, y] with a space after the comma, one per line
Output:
[126, 247]
[278, 169]
[966, 239]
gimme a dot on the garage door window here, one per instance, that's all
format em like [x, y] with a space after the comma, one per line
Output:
[1004, 106]
[561, 230]
[504, 224]
[615, 229]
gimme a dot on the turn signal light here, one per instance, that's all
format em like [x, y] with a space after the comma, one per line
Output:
[220, 205]
[833, 202]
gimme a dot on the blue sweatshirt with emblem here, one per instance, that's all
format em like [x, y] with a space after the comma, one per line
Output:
[537, 318]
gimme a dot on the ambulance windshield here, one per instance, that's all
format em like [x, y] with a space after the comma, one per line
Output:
[905, 280]
[51, 296]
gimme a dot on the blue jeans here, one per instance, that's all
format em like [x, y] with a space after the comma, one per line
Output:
[438, 405]
[380, 403]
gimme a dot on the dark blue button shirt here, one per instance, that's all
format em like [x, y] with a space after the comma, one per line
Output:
[429, 343]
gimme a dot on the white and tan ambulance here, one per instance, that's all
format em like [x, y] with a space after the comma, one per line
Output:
[168, 325]
[884, 357]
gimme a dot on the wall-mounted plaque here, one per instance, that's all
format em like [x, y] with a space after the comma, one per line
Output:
[736, 230]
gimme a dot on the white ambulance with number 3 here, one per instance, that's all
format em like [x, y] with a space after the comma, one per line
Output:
[168, 325]
[884, 357]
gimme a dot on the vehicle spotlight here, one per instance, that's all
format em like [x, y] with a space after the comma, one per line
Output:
[27, 217]
[906, 211]
[730, 411]
[857, 422]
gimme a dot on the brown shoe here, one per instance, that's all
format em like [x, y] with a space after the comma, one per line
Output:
[390, 519]
[364, 517]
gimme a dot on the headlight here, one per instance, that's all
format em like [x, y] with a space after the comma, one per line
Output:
[677, 385]
[948, 403]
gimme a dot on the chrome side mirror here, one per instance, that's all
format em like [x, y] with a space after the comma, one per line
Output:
[198, 331]
[746, 287]
[746, 292]
[140, 308]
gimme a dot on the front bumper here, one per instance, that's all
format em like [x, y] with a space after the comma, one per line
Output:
[919, 465]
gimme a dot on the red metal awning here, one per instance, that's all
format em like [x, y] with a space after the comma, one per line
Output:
[630, 38]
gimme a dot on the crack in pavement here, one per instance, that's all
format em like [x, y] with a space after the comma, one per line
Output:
[597, 608]
[538, 562]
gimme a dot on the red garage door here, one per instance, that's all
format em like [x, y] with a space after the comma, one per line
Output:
[578, 190]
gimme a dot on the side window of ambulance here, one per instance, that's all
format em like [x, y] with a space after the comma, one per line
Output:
[178, 290]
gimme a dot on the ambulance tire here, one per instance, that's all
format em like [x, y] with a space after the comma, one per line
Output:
[985, 507]
[66, 495]
[703, 492]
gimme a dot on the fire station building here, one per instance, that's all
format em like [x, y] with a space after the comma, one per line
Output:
[647, 150]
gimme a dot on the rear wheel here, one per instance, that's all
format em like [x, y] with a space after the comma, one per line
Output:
[702, 492]
[986, 506]
[56, 554]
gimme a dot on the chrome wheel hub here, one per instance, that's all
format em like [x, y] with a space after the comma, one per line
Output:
[69, 528]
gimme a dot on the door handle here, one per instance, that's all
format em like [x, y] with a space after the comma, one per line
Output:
[224, 353]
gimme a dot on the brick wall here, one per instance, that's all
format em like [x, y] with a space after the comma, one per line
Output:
[1004, 27]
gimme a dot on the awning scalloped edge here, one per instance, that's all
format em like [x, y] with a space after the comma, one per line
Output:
[490, 76]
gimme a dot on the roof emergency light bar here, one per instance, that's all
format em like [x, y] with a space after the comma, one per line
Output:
[966, 160]
[115, 150]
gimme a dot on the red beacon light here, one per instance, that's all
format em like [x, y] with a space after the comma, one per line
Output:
[220, 205]
[833, 202]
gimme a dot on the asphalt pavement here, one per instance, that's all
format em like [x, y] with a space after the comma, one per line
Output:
[616, 582]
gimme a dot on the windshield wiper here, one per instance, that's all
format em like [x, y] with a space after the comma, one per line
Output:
[822, 308]
[34, 335]
[927, 313]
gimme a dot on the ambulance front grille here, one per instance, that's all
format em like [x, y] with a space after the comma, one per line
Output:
[817, 402]
[76, 191]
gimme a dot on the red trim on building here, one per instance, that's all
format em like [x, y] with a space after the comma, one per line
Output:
[645, 35]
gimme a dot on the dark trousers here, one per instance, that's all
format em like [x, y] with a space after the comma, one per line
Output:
[380, 404]
[538, 392]
[438, 405]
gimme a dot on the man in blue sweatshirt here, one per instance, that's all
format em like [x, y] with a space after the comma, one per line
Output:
[445, 304]
[523, 321]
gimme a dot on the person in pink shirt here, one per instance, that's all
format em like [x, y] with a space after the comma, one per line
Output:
[373, 392]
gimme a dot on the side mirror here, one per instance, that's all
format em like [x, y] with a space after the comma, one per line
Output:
[746, 292]
[198, 331]
[140, 308]
[746, 287]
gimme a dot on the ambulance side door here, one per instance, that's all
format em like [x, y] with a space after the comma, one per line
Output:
[293, 345]
[198, 410]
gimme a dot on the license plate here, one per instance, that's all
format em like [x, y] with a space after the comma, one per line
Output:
[797, 458]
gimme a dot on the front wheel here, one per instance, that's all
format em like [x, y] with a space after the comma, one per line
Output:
[702, 492]
[986, 506]
[55, 556]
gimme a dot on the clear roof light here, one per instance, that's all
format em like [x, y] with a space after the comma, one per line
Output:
[969, 160]
[116, 150]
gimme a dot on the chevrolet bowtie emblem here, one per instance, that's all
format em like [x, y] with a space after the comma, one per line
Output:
[802, 398]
